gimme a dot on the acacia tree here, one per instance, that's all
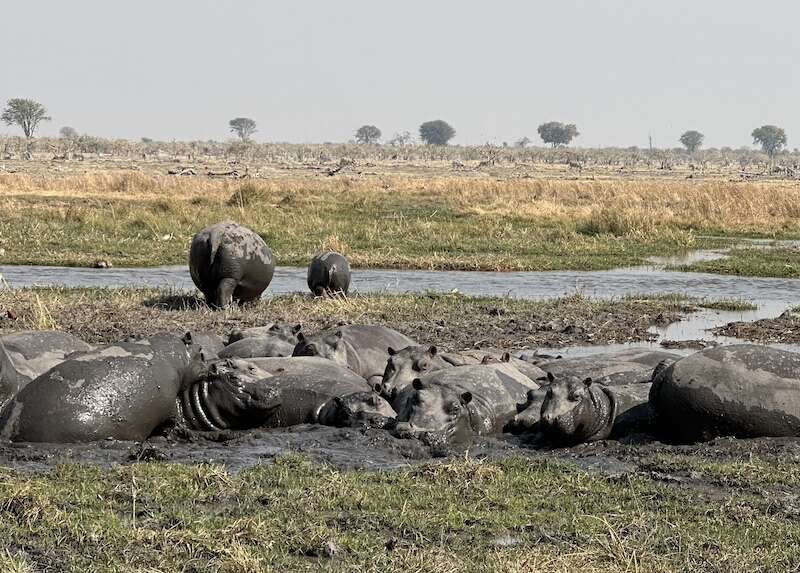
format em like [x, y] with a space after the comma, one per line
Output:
[771, 138]
[692, 140]
[556, 133]
[368, 134]
[436, 132]
[243, 127]
[25, 113]
[523, 142]
[67, 132]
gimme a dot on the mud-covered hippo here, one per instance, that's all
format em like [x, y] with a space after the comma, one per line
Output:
[230, 262]
[328, 273]
[28, 354]
[267, 346]
[577, 411]
[404, 365]
[612, 368]
[299, 390]
[284, 332]
[123, 391]
[744, 390]
[453, 404]
[364, 348]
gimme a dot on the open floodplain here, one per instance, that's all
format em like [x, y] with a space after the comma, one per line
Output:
[310, 496]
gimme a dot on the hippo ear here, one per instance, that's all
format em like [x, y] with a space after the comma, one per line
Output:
[377, 388]
[339, 334]
[506, 357]
[531, 395]
[433, 351]
[466, 398]
[587, 382]
[550, 377]
[214, 369]
[338, 401]
[187, 338]
[417, 384]
[297, 328]
[391, 351]
[301, 337]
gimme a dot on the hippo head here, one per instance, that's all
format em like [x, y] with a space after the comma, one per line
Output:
[285, 332]
[360, 409]
[576, 411]
[436, 413]
[404, 366]
[492, 359]
[325, 345]
[228, 397]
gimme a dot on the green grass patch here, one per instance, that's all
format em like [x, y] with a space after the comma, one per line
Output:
[780, 262]
[516, 515]
[728, 305]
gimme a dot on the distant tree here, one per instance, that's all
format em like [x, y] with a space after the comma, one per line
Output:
[401, 139]
[692, 140]
[25, 113]
[524, 142]
[556, 133]
[368, 134]
[771, 138]
[147, 140]
[67, 132]
[436, 132]
[243, 127]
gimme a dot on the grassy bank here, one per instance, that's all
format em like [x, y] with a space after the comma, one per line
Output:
[515, 515]
[780, 262]
[452, 320]
[439, 222]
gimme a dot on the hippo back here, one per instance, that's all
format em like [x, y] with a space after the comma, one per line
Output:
[741, 390]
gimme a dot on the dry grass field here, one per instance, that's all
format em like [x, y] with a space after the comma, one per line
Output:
[391, 214]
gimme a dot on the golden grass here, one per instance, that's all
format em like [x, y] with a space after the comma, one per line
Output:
[387, 220]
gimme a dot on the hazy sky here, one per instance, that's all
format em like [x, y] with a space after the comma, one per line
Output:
[313, 71]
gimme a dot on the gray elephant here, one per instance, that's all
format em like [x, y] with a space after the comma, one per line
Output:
[229, 262]
[328, 273]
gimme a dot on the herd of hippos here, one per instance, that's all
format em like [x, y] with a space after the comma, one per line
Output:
[56, 388]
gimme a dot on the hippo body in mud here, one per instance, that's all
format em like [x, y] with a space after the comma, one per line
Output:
[625, 367]
[744, 390]
[574, 411]
[290, 391]
[285, 332]
[455, 403]
[404, 366]
[265, 347]
[328, 274]
[364, 348]
[230, 262]
[123, 391]
[29, 354]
